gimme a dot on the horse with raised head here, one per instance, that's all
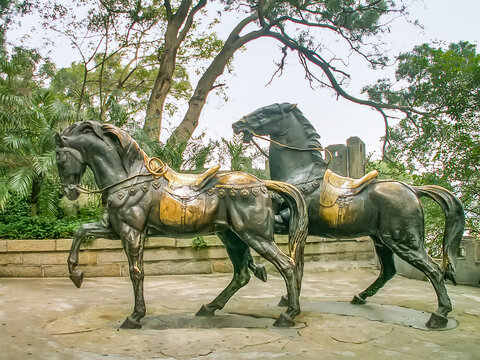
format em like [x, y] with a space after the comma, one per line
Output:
[144, 197]
[388, 211]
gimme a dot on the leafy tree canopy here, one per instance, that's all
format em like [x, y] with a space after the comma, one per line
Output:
[443, 144]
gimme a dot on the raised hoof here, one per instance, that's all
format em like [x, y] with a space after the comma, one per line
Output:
[260, 272]
[357, 300]
[284, 320]
[283, 301]
[129, 323]
[437, 321]
[205, 311]
[77, 277]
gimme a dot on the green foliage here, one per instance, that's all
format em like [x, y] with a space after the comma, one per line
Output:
[199, 243]
[17, 223]
[441, 145]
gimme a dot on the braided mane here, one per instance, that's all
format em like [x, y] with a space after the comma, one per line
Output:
[132, 156]
[312, 136]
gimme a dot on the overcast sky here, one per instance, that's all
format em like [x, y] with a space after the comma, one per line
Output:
[335, 119]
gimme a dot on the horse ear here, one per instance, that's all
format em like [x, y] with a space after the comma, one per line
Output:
[60, 140]
[287, 107]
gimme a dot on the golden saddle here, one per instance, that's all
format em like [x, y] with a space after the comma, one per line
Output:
[178, 180]
[334, 186]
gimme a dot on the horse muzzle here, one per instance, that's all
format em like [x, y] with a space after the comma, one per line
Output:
[71, 192]
[241, 127]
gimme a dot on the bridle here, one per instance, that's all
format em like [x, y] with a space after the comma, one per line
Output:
[320, 149]
[149, 164]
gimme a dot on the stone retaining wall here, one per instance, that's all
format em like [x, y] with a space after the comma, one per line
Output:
[102, 257]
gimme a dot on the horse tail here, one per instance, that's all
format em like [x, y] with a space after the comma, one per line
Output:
[454, 224]
[298, 224]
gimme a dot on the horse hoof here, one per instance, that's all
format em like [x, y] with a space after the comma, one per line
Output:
[129, 323]
[437, 321]
[284, 320]
[77, 278]
[260, 272]
[357, 300]
[283, 301]
[205, 311]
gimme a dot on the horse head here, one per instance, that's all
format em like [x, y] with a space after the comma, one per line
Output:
[264, 121]
[71, 167]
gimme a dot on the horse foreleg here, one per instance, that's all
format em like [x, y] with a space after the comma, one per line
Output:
[133, 243]
[85, 231]
[286, 267]
[387, 271]
[239, 254]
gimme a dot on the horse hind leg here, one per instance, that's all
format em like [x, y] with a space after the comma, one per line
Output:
[432, 270]
[268, 249]
[387, 271]
[238, 252]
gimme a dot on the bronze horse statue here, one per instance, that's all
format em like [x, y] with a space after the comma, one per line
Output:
[388, 211]
[144, 197]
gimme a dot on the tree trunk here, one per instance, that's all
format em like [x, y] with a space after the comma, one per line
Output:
[163, 83]
[36, 187]
[195, 106]
[174, 36]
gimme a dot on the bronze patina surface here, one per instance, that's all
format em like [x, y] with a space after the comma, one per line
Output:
[144, 197]
[388, 211]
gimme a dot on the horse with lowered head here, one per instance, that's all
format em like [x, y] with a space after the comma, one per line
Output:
[388, 211]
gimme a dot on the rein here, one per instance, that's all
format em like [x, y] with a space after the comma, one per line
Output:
[83, 190]
[287, 146]
[148, 164]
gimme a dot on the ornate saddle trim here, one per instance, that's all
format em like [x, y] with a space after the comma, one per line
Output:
[177, 180]
[335, 186]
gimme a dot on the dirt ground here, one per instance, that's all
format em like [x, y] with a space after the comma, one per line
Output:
[51, 319]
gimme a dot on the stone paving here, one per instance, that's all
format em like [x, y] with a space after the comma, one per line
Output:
[51, 319]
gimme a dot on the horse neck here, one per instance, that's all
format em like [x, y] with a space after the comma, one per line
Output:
[292, 165]
[106, 163]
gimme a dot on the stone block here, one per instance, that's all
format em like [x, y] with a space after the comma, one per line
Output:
[154, 242]
[109, 257]
[281, 239]
[210, 253]
[20, 271]
[222, 266]
[213, 240]
[168, 254]
[44, 258]
[55, 271]
[477, 251]
[3, 246]
[30, 245]
[10, 258]
[175, 267]
[63, 244]
[99, 244]
[86, 257]
[102, 270]
[183, 243]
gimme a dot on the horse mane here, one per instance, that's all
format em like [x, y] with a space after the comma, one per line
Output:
[312, 136]
[132, 156]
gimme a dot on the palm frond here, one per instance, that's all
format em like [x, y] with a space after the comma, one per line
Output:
[44, 164]
[20, 181]
[16, 143]
[48, 199]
